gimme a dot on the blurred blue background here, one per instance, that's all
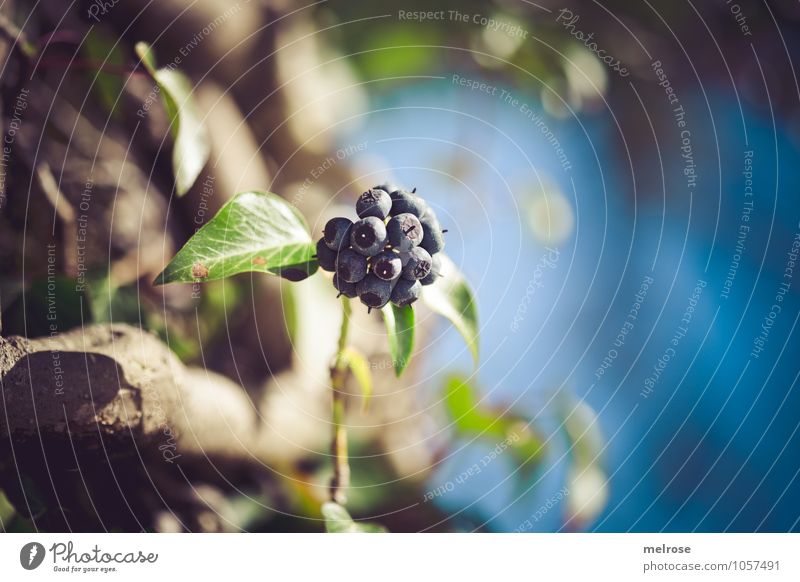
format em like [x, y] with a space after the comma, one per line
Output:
[714, 445]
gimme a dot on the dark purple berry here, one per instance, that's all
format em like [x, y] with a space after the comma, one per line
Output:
[405, 202]
[351, 266]
[374, 202]
[325, 256]
[387, 187]
[429, 213]
[417, 264]
[297, 273]
[432, 238]
[387, 265]
[374, 292]
[406, 292]
[436, 267]
[337, 233]
[344, 288]
[404, 232]
[368, 236]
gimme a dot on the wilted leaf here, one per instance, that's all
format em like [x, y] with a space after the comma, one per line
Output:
[191, 148]
[255, 231]
[337, 520]
[400, 331]
[451, 297]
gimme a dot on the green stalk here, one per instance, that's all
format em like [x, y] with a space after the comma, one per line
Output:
[341, 467]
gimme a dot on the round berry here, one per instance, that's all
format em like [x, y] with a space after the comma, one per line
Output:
[436, 266]
[429, 213]
[406, 202]
[404, 231]
[325, 256]
[432, 237]
[368, 236]
[374, 292]
[387, 265]
[417, 264]
[344, 288]
[374, 202]
[337, 233]
[295, 274]
[351, 266]
[387, 187]
[406, 292]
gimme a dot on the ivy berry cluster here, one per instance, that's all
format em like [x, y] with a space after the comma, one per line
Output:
[386, 255]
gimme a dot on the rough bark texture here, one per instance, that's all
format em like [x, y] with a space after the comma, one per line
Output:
[113, 399]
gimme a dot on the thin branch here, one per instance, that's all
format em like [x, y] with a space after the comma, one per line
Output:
[341, 465]
[17, 36]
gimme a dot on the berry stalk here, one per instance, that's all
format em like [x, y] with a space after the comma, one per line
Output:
[341, 466]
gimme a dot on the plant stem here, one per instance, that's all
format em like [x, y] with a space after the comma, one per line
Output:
[341, 467]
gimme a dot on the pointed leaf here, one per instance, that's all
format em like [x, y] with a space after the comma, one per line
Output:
[359, 366]
[451, 297]
[255, 231]
[400, 331]
[191, 148]
[337, 520]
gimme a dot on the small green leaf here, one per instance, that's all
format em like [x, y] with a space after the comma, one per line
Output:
[359, 366]
[400, 331]
[469, 416]
[7, 511]
[254, 231]
[191, 148]
[465, 411]
[146, 54]
[103, 48]
[337, 520]
[587, 481]
[451, 297]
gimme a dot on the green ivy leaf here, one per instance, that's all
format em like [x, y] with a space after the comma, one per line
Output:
[469, 416]
[587, 481]
[451, 297]
[337, 520]
[400, 330]
[255, 231]
[359, 366]
[191, 148]
[465, 411]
